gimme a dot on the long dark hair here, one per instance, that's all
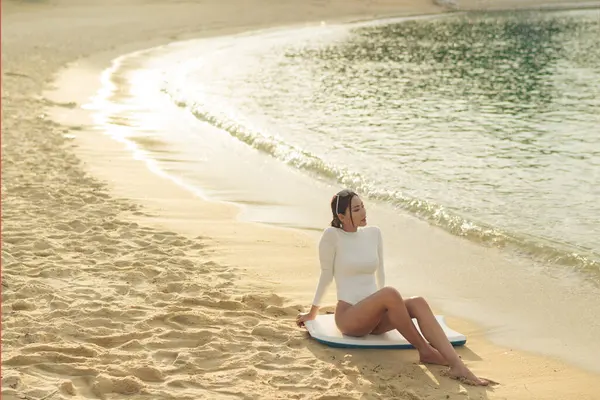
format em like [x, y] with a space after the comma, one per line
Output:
[339, 204]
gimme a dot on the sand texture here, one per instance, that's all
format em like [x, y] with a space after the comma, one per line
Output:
[118, 285]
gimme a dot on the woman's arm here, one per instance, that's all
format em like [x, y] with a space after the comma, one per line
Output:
[380, 274]
[327, 246]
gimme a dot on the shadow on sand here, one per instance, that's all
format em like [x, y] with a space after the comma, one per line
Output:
[396, 373]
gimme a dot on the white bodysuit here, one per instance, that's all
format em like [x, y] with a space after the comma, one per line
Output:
[354, 259]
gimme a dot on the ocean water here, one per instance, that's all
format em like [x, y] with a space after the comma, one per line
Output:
[487, 125]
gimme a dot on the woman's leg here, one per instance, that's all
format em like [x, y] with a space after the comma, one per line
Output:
[418, 308]
[387, 304]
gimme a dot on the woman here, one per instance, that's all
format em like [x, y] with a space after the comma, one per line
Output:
[352, 253]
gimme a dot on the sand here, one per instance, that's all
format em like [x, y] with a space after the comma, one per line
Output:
[116, 283]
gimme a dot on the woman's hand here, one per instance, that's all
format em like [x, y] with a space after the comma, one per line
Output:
[303, 317]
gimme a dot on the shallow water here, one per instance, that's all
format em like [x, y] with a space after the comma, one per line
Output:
[484, 124]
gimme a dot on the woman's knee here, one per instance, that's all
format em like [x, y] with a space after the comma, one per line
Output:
[391, 293]
[417, 302]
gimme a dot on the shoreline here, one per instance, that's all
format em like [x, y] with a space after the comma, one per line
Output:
[165, 210]
[494, 323]
[164, 206]
[552, 5]
[236, 208]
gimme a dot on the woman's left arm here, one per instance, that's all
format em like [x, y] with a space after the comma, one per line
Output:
[380, 274]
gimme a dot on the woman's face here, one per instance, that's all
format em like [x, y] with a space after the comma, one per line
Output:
[357, 211]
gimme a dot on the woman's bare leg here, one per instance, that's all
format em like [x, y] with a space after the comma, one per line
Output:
[364, 317]
[433, 332]
[428, 356]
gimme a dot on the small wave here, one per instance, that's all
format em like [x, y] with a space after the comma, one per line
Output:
[543, 250]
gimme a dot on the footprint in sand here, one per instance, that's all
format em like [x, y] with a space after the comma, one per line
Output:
[105, 384]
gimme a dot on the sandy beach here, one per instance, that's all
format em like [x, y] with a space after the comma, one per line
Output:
[118, 283]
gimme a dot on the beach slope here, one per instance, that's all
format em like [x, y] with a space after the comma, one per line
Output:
[116, 283]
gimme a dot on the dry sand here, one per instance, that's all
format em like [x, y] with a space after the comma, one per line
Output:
[117, 283]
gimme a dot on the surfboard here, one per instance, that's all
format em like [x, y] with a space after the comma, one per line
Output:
[324, 330]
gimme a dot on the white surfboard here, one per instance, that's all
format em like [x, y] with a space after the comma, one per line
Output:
[324, 330]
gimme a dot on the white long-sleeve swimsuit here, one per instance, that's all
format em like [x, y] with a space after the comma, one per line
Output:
[354, 260]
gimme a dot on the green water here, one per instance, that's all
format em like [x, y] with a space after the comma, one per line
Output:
[487, 125]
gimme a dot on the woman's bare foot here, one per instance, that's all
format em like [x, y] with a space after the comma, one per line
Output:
[429, 355]
[463, 374]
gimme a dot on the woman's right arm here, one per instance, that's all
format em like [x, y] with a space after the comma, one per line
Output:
[327, 246]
